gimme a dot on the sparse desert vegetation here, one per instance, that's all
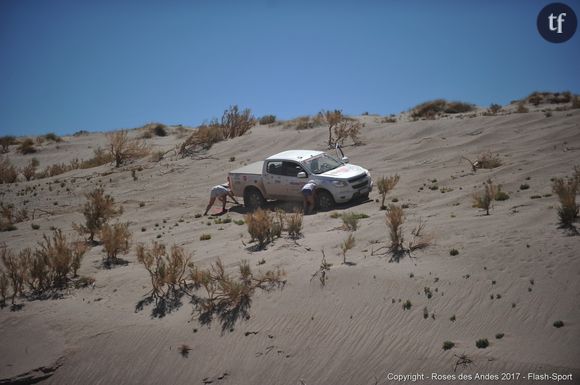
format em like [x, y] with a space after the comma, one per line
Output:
[204, 275]
[385, 185]
[98, 209]
[233, 123]
[484, 199]
[433, 109]
[566, 190]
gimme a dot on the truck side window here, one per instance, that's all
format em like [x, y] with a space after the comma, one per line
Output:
[292, 169]
[275, 168]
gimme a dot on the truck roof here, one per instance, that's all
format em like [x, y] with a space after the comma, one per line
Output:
[295, 155]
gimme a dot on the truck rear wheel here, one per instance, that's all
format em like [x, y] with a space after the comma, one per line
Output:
[253, 198]
[324, 200]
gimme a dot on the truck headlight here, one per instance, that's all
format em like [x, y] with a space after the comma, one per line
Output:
[339, 183]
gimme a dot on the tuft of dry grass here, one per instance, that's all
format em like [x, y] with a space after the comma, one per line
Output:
[434, 108]
[484, 199]
[347, 245]
[488, 160]
[395, 219]
[116, 240]
[260, 226]
[294, 224]
[566, 189]
[385, 185]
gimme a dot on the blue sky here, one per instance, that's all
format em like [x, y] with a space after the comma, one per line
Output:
[69, 65]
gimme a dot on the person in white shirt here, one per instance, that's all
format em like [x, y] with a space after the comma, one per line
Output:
[220, 192]
[308, 191]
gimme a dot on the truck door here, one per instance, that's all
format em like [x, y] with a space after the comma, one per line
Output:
[273, 182]
[293, 183]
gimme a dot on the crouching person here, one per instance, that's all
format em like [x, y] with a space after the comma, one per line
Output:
[220, 192]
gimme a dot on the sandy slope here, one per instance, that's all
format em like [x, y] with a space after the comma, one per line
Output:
[353, 330]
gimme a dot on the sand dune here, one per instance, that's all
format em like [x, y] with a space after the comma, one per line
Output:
[354, 329]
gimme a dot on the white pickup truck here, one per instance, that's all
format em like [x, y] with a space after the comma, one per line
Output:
[282, 176]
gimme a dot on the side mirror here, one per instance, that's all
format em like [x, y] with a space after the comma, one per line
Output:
[345, 159]
[301, 174]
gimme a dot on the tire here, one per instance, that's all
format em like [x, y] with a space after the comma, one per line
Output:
[253, 198]
[324, 200]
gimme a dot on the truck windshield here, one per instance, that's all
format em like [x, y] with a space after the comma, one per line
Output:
[322, 164]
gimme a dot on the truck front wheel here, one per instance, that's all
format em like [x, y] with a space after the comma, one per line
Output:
[324, 200]
[253, 198]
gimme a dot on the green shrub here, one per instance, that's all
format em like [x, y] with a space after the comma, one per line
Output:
[448, 345]
[482, 343]
[500, 195]
[205, 237]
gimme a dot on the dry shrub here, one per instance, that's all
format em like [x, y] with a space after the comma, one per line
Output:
[347, 245]
[7, 218]
[385, 185]
[566, 189]
[53, 261]
[420, 239]
[228, 296]
[173, 275]
[267, 119]
[350, 221]
[5, 143]
[432, 109]
[4, 285]
[261, 227]
[294, 224]
[26, 147]
[100, 157]
[116, 240]
[236, 123]
[332, 118]
[484, 199]
[14, 269]
[522, 109]
[576, 101]
[122, 149]
[51, 136]
[232, 124]
[157, 129]
[488, 160]
[30, 169]
[166, 270]
[494, 109]
[347, 129]
[395, 218]
[47, 267]
[458, 107]
[98, 209]
[8, 173]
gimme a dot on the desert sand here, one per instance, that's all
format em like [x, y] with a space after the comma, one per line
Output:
[354, 329]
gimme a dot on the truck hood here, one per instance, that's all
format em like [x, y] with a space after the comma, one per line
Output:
[344, 172]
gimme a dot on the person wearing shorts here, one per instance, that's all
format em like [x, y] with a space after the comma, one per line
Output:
[220, 192]
[308, 193]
